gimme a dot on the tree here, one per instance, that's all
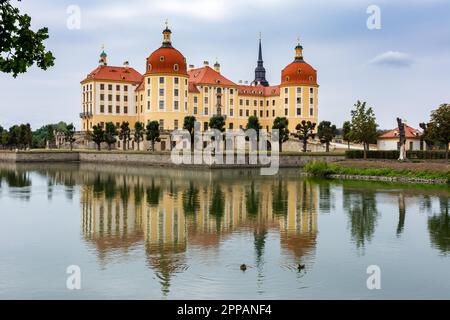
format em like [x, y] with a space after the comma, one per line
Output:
[326, 133]
[153, 133]
[21, 47]
[189, 125]
[21, 141]
[98, 135]
[138, 133]
[110, 134]
[4, 139]
[49, 135]
[281, 124]
[427, 134]
[25, 136]
[253, 123]
[125, 134]
[14, 133]
[69, 135]
[440, 119]
[346, 132]
[305, 130]
[217, 122]
[364, 126]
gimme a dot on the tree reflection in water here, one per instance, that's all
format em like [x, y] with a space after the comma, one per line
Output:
[18, 183]
[191, 202]
[361, 207]
[439, 227]
[279, 196]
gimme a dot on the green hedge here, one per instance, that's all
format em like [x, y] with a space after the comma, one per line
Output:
[359, 154]
[394, 154]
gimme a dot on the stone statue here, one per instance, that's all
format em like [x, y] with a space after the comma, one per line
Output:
[402, 142]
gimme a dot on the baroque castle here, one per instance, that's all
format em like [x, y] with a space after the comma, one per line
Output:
[169, 90]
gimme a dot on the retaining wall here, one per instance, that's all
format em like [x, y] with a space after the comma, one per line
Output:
[151, 159]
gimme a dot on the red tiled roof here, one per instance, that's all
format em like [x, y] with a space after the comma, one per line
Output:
[140, 87]
[207, 75]
[166, 60]
[193, 88]
[259, 91]
[272, 91]
[299, 73]
[409, 133]
[107, 73]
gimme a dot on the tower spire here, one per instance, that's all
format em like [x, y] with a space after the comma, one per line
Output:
[260, 49]
[260, 71]
[167, 42]
[298, 51]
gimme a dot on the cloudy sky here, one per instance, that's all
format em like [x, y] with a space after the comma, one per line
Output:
[402, 69]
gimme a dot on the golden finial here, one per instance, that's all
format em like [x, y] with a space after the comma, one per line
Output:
[167, 23]
[298, 40]
[103, 47]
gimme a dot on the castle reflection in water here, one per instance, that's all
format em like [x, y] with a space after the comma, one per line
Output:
[169, 211]
[166, 213]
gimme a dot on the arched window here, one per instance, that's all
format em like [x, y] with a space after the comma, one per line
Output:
[287, 78]
[175, 67]
[149, 67]
[299, 71]
[311, 78]
[161, 58]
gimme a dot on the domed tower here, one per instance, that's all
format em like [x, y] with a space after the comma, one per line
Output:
[103, 58]
[299, 90]
[166, 85]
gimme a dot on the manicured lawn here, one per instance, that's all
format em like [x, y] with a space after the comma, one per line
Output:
[381, 168]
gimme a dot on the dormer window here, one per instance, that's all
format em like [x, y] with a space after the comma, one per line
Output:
[149, 67]
[161, 58]
[299, 71]
[175, 67]
[287, 78]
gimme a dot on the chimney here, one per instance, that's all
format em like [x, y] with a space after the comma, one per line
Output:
[217, 67]
[206, 63]
[240, 82]
[245, 82]
[126, 64]
[191, 66]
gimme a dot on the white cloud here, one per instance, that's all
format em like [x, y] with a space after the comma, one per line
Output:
[392, 59]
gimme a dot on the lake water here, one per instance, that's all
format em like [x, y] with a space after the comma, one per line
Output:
[157, 233]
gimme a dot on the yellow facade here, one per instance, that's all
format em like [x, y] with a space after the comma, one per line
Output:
[168, 98]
